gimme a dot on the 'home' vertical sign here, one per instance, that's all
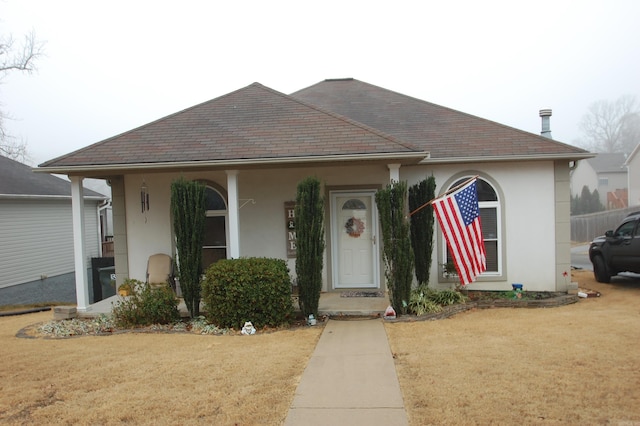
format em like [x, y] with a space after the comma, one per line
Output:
[290, 221]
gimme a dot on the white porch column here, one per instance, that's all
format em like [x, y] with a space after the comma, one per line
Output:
[234, 214]
[79, 249]
[394, 172]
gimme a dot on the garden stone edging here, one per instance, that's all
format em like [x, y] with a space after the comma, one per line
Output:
[561, 300]
[449, 311]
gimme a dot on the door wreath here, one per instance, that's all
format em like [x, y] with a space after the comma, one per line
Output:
[354, 227]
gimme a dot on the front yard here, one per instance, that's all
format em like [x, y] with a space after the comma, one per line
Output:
[575, 364]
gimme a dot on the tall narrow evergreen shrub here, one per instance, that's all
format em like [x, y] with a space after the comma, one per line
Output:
[309, 216]
[397, 253]
[422, 227]
[188, 211]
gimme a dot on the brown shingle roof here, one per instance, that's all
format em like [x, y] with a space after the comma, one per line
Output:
[251, 123]
[443, 132]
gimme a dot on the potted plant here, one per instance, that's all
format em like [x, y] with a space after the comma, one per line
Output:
[125, 289]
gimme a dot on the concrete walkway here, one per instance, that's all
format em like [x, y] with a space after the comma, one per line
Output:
[350, 379]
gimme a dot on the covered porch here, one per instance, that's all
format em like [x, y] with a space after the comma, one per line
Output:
[135, 232]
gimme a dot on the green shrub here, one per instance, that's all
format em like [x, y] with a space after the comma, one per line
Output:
[147, 305]
[421, 304]
[397, 253]
[188, 212]
[309, 214]
[248, 289]
[447, 297]
[422, 229]
[424, 300]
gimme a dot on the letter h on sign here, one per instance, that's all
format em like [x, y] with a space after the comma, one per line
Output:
[290, 220]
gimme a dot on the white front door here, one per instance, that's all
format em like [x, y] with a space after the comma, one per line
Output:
[354, 229]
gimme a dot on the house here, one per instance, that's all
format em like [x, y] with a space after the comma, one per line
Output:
[605, 172]
[252, 146]
[37, 259]
[633, 176]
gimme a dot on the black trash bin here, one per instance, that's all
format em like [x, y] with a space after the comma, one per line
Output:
[107, 281]
[98, 277]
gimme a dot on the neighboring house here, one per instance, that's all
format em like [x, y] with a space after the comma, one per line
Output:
[606, 173]
[252, 146]
[633, 175]
[37, 250]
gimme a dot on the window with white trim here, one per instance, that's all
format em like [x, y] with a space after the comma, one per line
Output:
[490, 219]
[214, 242]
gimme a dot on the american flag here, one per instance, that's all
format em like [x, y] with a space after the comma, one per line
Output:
[459, 218]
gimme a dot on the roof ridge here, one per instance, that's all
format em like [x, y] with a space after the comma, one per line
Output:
[351, 121]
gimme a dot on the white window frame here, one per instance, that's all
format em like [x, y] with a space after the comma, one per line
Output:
[497, 205]
[220, 213]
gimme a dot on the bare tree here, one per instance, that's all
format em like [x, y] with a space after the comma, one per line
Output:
[20, 57]
[612, 126]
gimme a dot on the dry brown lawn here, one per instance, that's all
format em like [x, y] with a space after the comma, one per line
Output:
[576, 364]
[150, 378]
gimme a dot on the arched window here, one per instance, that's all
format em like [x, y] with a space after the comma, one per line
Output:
[354, 204]
[490, 217]
[214, 243]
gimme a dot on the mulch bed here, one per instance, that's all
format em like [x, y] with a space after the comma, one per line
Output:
[551, 300]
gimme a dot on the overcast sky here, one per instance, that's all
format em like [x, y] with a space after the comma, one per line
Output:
[113, 66]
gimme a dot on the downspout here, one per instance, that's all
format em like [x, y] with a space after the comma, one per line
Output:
[99, 209]
[102, 208]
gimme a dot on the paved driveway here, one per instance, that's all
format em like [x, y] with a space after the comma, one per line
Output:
[580, 258]
[61, 288]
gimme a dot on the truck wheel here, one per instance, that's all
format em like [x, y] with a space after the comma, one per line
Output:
[600, 270]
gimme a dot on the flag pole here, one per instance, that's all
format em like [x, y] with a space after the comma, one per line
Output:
[455, 188]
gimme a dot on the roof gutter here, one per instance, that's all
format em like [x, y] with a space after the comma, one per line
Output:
[413, 155]
[492, 159]
[49, 197]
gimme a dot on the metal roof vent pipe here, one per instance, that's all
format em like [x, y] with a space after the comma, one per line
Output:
[545, 114]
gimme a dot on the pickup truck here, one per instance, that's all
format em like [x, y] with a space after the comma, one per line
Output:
[617, 251]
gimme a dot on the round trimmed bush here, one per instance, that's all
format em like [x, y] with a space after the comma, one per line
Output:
[248, 289]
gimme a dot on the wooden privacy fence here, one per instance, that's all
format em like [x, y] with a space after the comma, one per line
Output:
[107, 248]
[586, 227]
